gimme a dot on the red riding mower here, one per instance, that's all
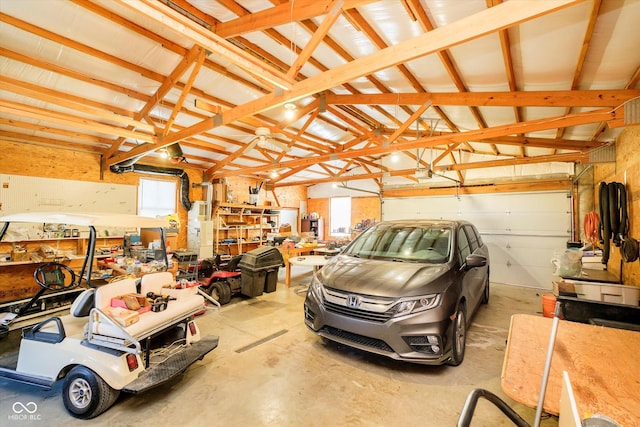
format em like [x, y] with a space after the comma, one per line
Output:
[221, 279]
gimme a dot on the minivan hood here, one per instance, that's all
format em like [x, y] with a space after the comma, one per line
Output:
[384, 278]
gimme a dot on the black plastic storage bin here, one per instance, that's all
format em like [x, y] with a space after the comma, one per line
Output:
[252, 282]
[271, 281]
[259, 268]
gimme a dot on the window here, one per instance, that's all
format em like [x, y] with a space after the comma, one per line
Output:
[471, 235]
[463, 246]
[403, 242]
[340, 216]
[156, 197]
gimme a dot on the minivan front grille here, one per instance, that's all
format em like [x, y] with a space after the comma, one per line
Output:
[358, 339]
[365, 307]
[357, 313]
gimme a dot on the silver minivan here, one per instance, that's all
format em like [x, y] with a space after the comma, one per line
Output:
[403, 289]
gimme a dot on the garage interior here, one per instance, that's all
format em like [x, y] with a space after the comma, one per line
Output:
[261, 114]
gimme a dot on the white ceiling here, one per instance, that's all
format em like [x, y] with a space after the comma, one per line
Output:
[500, 90]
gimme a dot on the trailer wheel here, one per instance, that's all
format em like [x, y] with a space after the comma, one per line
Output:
[85, 394]
[220, 291]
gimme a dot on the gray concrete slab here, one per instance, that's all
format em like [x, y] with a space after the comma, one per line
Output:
[269, 370]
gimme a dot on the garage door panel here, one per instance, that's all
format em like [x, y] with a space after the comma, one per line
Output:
[526, 242]
[522, 230]
[519, 275]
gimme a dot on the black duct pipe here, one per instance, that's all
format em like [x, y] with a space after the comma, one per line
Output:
[128, 166]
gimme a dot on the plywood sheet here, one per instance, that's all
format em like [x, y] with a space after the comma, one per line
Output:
[601, 362]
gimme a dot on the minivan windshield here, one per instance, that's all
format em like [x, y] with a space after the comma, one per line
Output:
[411, 243]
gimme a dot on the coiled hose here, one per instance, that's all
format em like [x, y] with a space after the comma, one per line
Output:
[604, 229]
[614, 222]
[629, 250]
[591, 221]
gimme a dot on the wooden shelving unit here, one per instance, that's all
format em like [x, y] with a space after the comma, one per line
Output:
[16, 277]
[310, 225]
[240, 227]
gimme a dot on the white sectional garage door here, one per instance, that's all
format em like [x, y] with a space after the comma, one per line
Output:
[522, 230]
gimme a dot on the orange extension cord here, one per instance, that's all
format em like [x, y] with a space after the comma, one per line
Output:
[591, 224]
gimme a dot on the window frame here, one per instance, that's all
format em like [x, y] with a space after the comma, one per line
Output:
[161, 209]
[333, 233]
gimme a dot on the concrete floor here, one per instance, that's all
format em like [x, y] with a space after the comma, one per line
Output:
[270, 370]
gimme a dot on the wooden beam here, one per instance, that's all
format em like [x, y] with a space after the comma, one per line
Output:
[279, 15]
[199, 59]
[72, 102]
[561, 98]
[558, 144]
[469, 28]
[473, 135]
[167, 84]
[567, 157]
[74, 135]
[316, 39]
[197, 34]
[88, 50]
[203, 105]
[37, 113]
[49, 142]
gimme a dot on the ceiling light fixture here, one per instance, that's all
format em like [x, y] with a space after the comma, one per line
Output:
[174, 153]
[290, 108]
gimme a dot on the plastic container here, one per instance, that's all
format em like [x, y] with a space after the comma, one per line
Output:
[548, 304]
[253, 282]
[271, 281]
[259, 268]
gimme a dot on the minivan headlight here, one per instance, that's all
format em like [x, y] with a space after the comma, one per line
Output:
[315, 288]
[416, 305]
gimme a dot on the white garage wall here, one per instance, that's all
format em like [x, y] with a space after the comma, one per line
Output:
[522, 230]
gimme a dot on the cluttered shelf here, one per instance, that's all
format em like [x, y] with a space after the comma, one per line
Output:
[29, 251]
[241, 227]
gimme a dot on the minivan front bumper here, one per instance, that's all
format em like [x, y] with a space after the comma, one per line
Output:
[423, 337]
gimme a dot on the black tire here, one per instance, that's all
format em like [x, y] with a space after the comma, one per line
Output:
[220, 291]
[458, 338]
[485, 294]
[85, 394]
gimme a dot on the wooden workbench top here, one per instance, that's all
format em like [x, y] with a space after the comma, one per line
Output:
[603, 366]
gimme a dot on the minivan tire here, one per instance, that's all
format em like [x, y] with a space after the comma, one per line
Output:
[458, 338]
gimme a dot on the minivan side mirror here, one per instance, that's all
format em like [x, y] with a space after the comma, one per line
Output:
[475, 260]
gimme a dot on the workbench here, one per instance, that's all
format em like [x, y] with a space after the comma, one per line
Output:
[601, 362]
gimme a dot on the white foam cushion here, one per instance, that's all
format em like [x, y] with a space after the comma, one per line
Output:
[153, 282]
[114, 289]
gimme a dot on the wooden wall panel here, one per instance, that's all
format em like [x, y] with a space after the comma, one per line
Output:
[288, 197]
[361, 208]
[625, 170]
[35, 160]
[365, 208]
[321, 206]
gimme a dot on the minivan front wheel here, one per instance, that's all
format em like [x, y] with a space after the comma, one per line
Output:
[459, 338]
[485, 294]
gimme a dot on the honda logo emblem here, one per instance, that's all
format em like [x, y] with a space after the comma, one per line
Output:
[353, 301]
